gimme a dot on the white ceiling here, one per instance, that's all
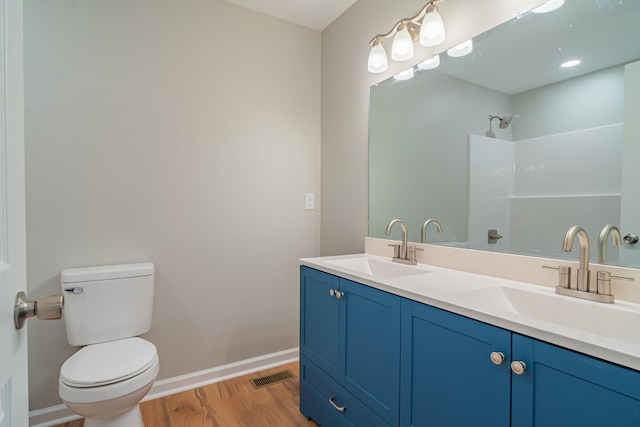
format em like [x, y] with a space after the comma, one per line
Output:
[314, 14]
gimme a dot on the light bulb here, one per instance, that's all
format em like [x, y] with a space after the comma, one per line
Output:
[402, 47]
[570, 63]
[461, 50]
[432, 31]
[549, 6]
[404, 75]
[378, 62]
[430, 64]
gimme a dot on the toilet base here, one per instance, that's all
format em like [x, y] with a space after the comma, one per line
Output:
[130, 418]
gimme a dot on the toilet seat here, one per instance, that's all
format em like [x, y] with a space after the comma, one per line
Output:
[106, 363]
[108, 370]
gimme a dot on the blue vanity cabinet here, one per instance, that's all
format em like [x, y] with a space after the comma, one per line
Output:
[448, 377]
[560, 387]
[373, 359]
[350, 352]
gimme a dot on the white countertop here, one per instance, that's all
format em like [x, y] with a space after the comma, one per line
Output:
[597, 335]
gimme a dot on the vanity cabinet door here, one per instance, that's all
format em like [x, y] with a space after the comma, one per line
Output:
[370, 348]
[560, 387]
[448, 376]
[351, 332]
[319, 319]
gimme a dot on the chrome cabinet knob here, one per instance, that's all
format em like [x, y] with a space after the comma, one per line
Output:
[339, 294]
[497, 357]
[518, 367]
[332, 292]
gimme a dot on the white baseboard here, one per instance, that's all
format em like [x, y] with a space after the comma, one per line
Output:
[61, 414]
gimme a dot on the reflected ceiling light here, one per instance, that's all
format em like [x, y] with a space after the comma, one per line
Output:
[427, 27]
[571, 63]
[378, 62]
[402, 47]
[432, 30]
[462, 49]
[549, 6]
[405, 75]
[430, 64]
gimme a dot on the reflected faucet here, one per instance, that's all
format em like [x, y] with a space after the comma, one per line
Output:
[403, 248]
[435, 222]
[583, 269]
[602, 241]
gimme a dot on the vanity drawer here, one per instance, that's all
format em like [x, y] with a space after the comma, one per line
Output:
[316, 388]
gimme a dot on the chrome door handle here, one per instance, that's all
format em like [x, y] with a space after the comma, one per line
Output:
[47, 308]
[497, 357]
[518, 367]
[338, 408]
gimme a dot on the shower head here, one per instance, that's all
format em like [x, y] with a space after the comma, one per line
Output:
[505, 122]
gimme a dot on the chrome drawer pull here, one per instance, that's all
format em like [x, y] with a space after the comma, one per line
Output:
[338, 408]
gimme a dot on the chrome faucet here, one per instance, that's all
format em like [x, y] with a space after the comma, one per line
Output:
[435, 222]
[583, 269]
[402, 253]
[602, 241]
[403, 247]
[600, 289]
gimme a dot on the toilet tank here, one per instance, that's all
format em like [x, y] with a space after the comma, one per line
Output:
[107, 303]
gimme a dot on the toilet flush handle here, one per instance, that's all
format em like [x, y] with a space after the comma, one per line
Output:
[47, 308]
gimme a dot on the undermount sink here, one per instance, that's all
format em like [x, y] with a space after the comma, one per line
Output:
[615, 321]
[378, 268]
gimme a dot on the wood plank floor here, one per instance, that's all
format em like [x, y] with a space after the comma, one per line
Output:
[231, 403]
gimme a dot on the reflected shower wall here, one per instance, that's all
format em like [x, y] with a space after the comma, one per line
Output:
[532, 197]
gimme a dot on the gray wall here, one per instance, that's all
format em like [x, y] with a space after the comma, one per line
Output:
[345, 98]
[593, 100]
[183, 133]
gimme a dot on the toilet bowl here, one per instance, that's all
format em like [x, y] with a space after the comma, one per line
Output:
[107, 378]
[106, 381]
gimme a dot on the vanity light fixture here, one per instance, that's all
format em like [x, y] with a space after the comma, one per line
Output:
[549, 6]
[405, 75]
[462, 49]
[430, 63]
[427, 27]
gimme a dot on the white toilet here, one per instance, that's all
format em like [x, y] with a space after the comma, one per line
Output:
[105, 309]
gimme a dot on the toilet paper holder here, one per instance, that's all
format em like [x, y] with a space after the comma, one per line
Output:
[46, 308]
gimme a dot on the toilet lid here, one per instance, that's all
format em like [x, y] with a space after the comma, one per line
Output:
[109, 362]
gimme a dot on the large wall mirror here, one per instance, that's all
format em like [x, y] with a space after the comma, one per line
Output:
[507, 139]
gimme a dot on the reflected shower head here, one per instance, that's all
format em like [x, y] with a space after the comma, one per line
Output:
[504, 123]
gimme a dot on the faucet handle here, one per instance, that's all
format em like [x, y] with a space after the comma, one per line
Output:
[564, 275]
[411, 253]
[604, 281]
[396, 249]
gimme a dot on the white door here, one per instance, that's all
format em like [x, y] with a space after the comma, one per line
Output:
[13, 343]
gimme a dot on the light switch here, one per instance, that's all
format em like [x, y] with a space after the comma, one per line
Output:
[309, 201]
